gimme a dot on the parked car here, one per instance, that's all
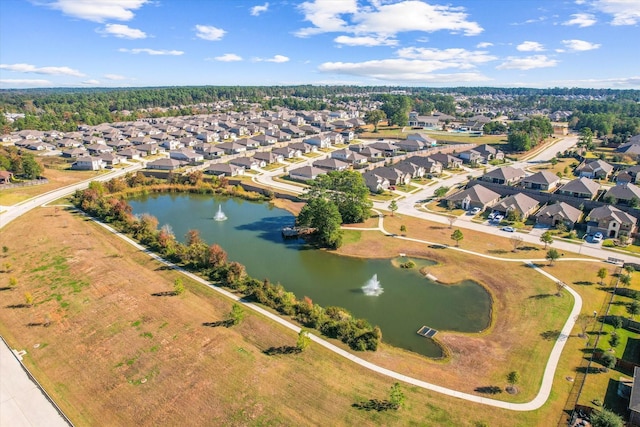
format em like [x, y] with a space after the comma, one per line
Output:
[597, 237]
[474, 211]
[492, 215]
[509, 229]
[498, 218]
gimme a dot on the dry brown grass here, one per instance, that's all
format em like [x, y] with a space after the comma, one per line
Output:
[109, 333]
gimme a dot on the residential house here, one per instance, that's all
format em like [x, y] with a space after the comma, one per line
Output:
[355, 159]
[232, 148]
[348, 135]
[628, 194]
[320, 141]
[430, 166]
[520, 203]
[287, 152]
[224, 169]
[331, 164]
[335, 138]
[543, 181]
[415, 170]
[303, 147]
[471, 156]
[583, 188]
[375, 182]
[131, 153]
[265, 139]
[248, 143]
[489, 153]
[611, 222]
[186, 155]
[248, 163]
[411, 145]
[95, 149]
[632, 172]
[171, 144]
[507, 175]
[596, 169]
[269, 157]
[306, 173]
[474, 197]
[110, 160]
[74, 153]
[558, 213]
[395, 176]
[88, 163]
[446, 160]
[388, 148]
[164, 164]
[150, 149]
[422, 137]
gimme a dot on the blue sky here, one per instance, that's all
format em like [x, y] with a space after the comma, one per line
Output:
[504, 43]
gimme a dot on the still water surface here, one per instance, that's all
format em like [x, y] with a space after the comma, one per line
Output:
[251, 235]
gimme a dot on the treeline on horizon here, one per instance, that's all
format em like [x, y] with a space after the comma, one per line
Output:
[64, 109]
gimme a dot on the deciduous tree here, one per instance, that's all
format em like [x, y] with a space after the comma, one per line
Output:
[457, 236]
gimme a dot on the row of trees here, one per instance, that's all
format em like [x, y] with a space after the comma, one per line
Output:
[211, 261]
[525, 135]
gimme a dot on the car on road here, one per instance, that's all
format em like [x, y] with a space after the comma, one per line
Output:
[509, 229]
[597, 237]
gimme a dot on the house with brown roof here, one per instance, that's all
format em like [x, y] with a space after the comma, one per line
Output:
[611, 222]
[164, 164]
[474, 197]
[375, 182]
[331, 164]
[306, 173]
[447, 160]
[558, 213]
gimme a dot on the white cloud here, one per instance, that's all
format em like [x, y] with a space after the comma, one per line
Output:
[275, 58]
[624, 12]
[484, 44]
[122, 31]
[28, 68]
[97, 10]
[383, 19]
[114, 77]
[527, 62]
[580, 45]
[90, 82]
[257, 10]
[529, 46]
[228, 57]
[450, 58]
[400, 70]
[25, 83]
[208, 32]
[152, 51]
[365, 41]
[581, 20]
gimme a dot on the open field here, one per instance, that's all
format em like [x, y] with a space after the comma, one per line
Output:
[152, 361]
[56, 171]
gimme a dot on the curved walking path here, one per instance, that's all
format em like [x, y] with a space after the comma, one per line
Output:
[539, 400]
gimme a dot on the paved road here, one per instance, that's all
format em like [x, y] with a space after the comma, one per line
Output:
[22, 403]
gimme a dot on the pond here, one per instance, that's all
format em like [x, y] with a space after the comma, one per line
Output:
[251, 235]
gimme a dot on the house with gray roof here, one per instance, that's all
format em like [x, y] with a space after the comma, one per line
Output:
[583, 188]
[519, 203]
[447, 160]
[507, 175]
[248, 163]
[331, 164]
[474, 197]
[543, 181]
[628, 194]
[164, 164]
[611, 222]
[558, 213]
[306, 173]
[224, 169]
[375, 182]
[596, 169]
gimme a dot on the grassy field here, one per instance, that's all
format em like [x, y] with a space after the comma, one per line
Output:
[57, 171]
[151, 360]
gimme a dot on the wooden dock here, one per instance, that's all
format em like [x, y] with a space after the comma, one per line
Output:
[427, 332]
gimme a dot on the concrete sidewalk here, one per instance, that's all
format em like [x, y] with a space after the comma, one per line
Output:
[22, 403]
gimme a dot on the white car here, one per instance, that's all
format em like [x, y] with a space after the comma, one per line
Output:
[498, 218]
[475, 211]
[598, 237]
[508, 229]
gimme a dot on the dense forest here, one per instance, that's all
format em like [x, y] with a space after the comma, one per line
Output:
[605, 111]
